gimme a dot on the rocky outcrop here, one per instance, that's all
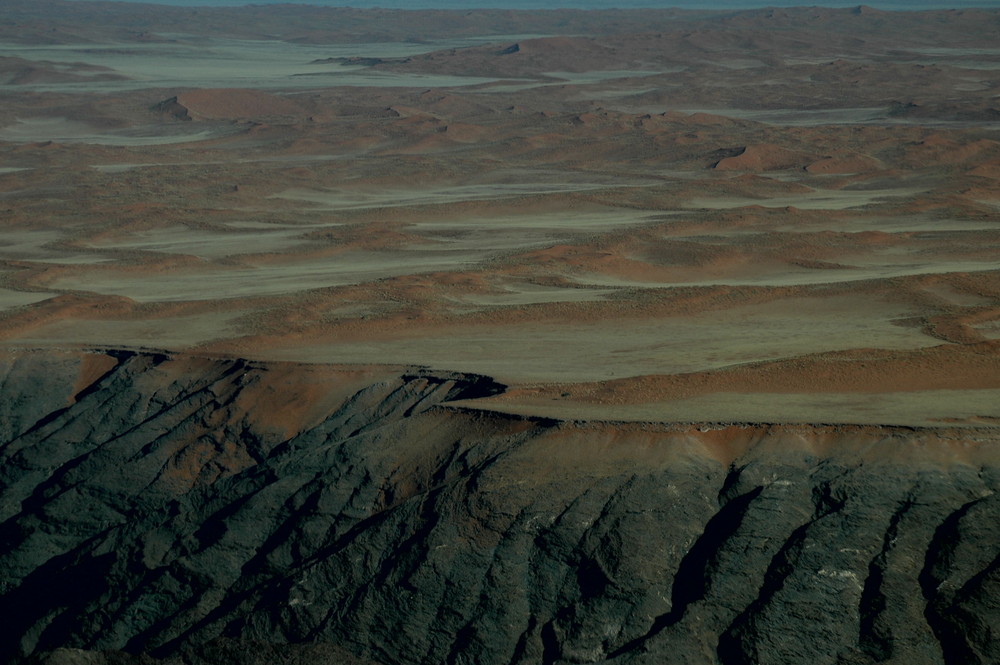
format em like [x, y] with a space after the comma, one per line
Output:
[217, 510]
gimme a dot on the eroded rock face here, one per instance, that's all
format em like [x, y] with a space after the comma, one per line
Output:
[198, 510]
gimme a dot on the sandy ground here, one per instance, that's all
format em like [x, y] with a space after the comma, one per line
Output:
[661, 224]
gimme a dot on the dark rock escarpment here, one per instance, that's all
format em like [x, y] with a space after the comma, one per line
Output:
[203, 510]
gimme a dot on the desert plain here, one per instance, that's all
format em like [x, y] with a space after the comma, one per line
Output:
[777, 215]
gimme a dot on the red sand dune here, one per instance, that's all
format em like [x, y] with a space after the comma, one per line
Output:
[221, 104]
[763, 157]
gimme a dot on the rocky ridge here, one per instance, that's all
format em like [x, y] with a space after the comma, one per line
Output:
[157, 506]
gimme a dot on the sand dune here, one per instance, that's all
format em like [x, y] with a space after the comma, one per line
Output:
[228, 104]
[763, 157]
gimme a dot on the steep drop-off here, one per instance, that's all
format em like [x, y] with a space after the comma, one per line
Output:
[214, 510]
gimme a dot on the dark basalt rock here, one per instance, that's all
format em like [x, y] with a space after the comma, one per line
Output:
[155, 515]
[174, 108]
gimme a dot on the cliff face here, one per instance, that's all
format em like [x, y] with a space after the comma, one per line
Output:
[212, 510]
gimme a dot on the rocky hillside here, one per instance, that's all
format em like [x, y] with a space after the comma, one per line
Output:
[214, 510]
